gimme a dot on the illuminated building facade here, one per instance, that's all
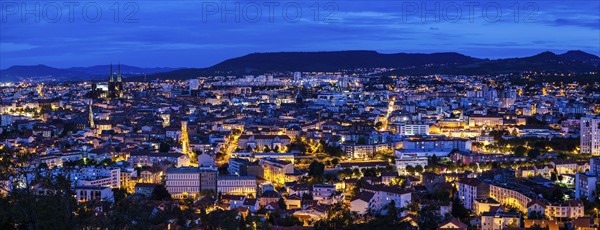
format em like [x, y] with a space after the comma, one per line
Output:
[590, 135]
[237, 185]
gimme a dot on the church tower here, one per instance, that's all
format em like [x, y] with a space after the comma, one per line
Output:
[299, 99]
[111, 82]
[115, 86]
[119, 73]
[119, 83]
[111, 77]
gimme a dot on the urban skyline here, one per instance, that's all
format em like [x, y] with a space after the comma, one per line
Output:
[411, 115]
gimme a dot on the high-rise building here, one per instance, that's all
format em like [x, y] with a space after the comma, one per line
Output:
[590, 135]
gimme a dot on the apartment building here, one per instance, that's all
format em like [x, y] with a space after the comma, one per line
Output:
[470, 189]
[237, 185]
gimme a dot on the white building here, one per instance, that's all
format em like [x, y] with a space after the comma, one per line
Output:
[275, 170]
[96, 176]
[595, 165]
[376, 197]
[429, 144]
[237, 185]
[585, 186]
[189, 181]
[470, 189]
[570, 209]
[361, 202]
[87, 193]
[590, 135]
[500, 220]
[235, 165]
[414, 129]
[359, 150]
[407, 159]
[146, 158]
[323, 191]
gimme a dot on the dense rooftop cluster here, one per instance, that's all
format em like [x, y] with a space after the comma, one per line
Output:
[329, 150]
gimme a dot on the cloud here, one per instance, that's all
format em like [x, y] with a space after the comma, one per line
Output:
[173, 33]
[13, 47]
[593, 24]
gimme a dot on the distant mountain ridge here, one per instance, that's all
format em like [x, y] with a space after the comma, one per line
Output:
[405, 63]
[574, 61]
[334, 61]
[98, 72]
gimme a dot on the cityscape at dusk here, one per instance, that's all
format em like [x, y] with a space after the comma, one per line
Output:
[300, 115]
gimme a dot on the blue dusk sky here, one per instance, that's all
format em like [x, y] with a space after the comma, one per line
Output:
[200, 33]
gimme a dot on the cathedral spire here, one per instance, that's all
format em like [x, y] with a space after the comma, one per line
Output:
[119, 74]
[111, 78]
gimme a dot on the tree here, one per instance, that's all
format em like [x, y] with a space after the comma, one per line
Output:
[534, 153]
[458, 209]
[307, 196]
[557, 195]
[119, 194]
[513, 224]
[361, 141]
[43, 165]
[291, 221]
[22, 207]
[338, 217]
[242, 223]
[536, 215]
[413, 206]
[160, 193]
[356, 172]
[335, 161]
[164, 147]
[520, 151]
[236, 132]
[207, 192]
[419, 169]
[392, 211]
[434, 160]
[330, 177]
[397, 181]
[410, 169]
[440, 194]
[429, 217]
[473, 166]
[316, 169]
[281, 204]
[344, 173]
[369, 172]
